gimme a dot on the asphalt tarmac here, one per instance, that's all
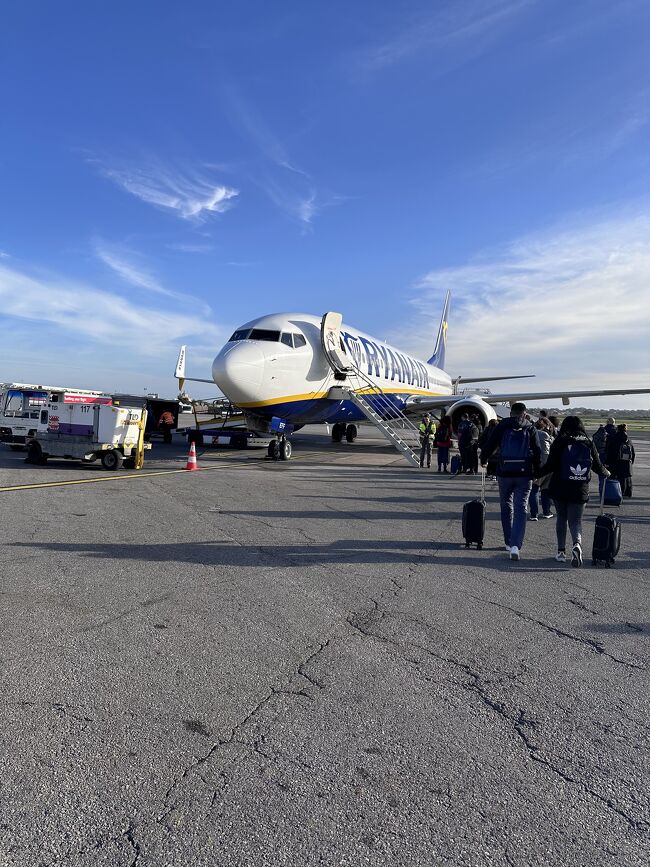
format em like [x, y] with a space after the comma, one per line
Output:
[297, 663]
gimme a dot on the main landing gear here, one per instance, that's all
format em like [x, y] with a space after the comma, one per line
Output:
[280, 449]
[341, 429]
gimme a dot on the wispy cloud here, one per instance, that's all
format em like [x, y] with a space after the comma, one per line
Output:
[291, 188]
[191, 248]
[190, 192]
[572, 306]
[82, 314]
[451, 35]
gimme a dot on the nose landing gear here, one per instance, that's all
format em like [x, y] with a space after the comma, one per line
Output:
[280, 449]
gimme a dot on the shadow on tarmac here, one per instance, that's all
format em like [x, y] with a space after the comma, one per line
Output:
[344, 551]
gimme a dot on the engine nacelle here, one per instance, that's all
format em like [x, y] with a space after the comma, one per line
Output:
[472, 405]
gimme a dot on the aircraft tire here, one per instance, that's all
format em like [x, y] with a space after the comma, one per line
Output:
[285, 450]
[112, 460]
[274, 450]
[337, 432]
[351, 433]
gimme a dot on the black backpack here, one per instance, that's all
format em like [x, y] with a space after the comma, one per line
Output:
[576, 462]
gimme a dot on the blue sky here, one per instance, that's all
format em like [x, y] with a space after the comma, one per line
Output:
[169, 171]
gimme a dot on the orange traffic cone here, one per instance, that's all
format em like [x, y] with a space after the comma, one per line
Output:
[191, 459]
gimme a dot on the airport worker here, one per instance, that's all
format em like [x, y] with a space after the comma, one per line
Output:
[518, 464]
[486, 433]
[619, 457]
[166, 423]
[443, 443]
[571, 459]
[427, 431]
[539, 491]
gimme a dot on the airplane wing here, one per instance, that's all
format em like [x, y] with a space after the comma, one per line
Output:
[423, 403]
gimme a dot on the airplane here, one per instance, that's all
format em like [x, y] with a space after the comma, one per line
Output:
[285, 370]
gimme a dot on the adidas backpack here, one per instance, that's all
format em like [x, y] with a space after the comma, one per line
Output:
[576, 462]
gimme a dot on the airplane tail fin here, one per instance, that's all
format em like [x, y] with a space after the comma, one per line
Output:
[438, 357]
[179, 373]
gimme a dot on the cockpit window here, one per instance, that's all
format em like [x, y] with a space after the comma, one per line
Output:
[242, 334]
[298, 340]
[286, 339]
[264, 334]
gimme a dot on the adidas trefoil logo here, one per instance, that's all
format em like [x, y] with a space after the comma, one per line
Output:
[578, 473]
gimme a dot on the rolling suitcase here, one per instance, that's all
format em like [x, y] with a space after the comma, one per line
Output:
[474, 519]
[607, 535]
[612, 489]
[455, 465]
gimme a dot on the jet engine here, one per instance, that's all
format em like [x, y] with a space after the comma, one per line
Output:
[472, 405]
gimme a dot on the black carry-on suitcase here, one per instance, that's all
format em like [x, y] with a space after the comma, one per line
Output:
[474, 519]
[607, 536]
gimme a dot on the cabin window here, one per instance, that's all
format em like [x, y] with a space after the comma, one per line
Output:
[298, 340]
[242, 334]
[265, 334]
[286, 339]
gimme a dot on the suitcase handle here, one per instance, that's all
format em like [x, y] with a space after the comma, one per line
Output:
[483, 472]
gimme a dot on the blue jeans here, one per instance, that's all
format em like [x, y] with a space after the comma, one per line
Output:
[533, 504]
[514, 494]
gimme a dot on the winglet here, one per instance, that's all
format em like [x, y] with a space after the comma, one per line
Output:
[438, 357]
[180, 369]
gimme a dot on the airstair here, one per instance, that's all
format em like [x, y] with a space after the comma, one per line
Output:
[367, 396]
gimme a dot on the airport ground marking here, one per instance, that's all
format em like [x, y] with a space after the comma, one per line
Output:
[242, 464]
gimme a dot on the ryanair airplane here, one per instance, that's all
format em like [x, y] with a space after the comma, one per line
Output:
[286, 370]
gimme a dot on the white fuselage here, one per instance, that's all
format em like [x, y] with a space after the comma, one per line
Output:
[276, 366]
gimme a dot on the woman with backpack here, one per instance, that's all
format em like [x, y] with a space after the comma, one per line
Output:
[571, 459]
[619, 457]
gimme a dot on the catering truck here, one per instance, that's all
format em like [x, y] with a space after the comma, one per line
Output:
[91, 427]
[22, 405]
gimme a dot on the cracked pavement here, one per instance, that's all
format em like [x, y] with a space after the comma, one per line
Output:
[299, 664]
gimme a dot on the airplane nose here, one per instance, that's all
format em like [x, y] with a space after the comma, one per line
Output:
[238, 371]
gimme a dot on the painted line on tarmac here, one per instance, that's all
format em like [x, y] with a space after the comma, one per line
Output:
[106, 479]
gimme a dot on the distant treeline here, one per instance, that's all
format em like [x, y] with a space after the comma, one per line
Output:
[595, 413]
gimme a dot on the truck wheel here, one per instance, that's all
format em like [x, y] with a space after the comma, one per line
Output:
[112, 460]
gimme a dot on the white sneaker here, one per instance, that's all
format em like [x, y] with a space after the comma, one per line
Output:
[532, 519]
[508, 549]
[514, 553]
[560, 557]
[550, 515]
[576, 558]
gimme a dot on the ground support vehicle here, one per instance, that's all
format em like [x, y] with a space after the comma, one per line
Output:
[92, 431]
[22, 408]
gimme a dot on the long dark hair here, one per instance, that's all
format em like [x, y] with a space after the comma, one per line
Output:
[572, 426]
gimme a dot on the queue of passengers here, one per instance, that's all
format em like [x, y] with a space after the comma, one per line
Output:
[546, 462]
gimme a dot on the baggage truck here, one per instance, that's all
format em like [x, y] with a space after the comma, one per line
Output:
[21, 409]
[90, 428]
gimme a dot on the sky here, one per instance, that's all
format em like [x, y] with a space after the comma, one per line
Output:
[170, 171]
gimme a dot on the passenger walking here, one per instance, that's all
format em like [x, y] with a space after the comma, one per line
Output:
[427, 431]
[443, 443]
[599, 439]
[570, 461]
[467, 439]
[517, 464]
[539, 491]
[610, 427]
[166, 423]
[619, 457]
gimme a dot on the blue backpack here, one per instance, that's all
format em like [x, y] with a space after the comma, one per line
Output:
[576, 462]
[515, 456]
